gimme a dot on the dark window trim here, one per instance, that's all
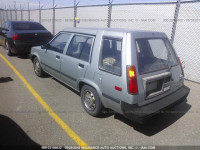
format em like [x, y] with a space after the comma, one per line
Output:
[110, 38]
[142, 73]
[79, 33]
[91, 49]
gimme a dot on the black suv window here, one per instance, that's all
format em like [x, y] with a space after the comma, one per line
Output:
[59, 42]
[27, 26]
[110, 57]
[80, 47]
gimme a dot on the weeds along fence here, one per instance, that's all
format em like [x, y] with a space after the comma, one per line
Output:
[179, 20]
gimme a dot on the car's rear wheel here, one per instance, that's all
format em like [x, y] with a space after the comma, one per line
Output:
[90, 101]
[9, 53]
[37, 68]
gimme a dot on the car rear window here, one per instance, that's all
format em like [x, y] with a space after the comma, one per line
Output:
[154, 54]
[27, 26]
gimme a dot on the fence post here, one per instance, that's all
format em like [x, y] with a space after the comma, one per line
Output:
[10, 13]
[175, 20]
[109, 13]
[40, 7]
[75, 12]
[6, 13]
[53, 21]
[15, 10]
[0, 16]
[21, 12]
[3, 16]
[29, 16]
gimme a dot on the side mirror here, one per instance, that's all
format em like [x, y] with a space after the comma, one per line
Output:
[45, 46]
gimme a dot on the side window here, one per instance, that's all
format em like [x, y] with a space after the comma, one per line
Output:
[80, 47]
[58, 44]
[110, 57]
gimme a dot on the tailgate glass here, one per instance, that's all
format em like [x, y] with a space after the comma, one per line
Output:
[154, 54]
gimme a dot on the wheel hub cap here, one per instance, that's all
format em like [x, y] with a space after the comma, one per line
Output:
[37, 67]
[89, 100]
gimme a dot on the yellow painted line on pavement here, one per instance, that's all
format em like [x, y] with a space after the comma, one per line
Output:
[59, 121]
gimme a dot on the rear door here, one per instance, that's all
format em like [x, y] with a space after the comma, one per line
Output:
[74, 63]
[51, 58]
[110, 66]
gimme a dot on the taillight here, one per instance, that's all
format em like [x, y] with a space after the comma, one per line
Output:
[132, 80]
[181, 65]
[16, 37]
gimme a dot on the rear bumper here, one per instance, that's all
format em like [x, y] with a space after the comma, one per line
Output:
[140, 113]
[19, 47]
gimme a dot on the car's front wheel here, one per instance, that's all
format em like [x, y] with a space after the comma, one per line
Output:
[90, 101]
[37, 68]
[9, 53]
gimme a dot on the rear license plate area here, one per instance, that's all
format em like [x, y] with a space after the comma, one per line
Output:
[154, 87]
[157, 85]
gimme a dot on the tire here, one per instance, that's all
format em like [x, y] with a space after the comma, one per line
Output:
[90, 101]
[37, 68]
[9, 53]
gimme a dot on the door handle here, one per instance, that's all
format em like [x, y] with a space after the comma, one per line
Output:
[80, 65]
[57, 57]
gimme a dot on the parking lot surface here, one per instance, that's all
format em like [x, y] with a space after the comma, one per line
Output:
[23, 119]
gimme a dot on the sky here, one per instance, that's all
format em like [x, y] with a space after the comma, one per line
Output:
[34, 4]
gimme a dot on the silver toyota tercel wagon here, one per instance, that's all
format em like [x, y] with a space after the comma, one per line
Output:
[135, 73]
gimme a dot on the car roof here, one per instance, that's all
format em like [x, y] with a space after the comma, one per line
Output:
[94, 31]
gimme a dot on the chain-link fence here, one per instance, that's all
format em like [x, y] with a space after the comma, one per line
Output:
[180, 20]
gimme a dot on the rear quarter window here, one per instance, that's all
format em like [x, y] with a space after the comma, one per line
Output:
[110, 56]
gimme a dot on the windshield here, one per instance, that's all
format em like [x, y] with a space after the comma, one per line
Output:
[154, 54]
[27, 26]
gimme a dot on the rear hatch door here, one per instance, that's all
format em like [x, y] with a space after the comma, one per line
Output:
[159, 70]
